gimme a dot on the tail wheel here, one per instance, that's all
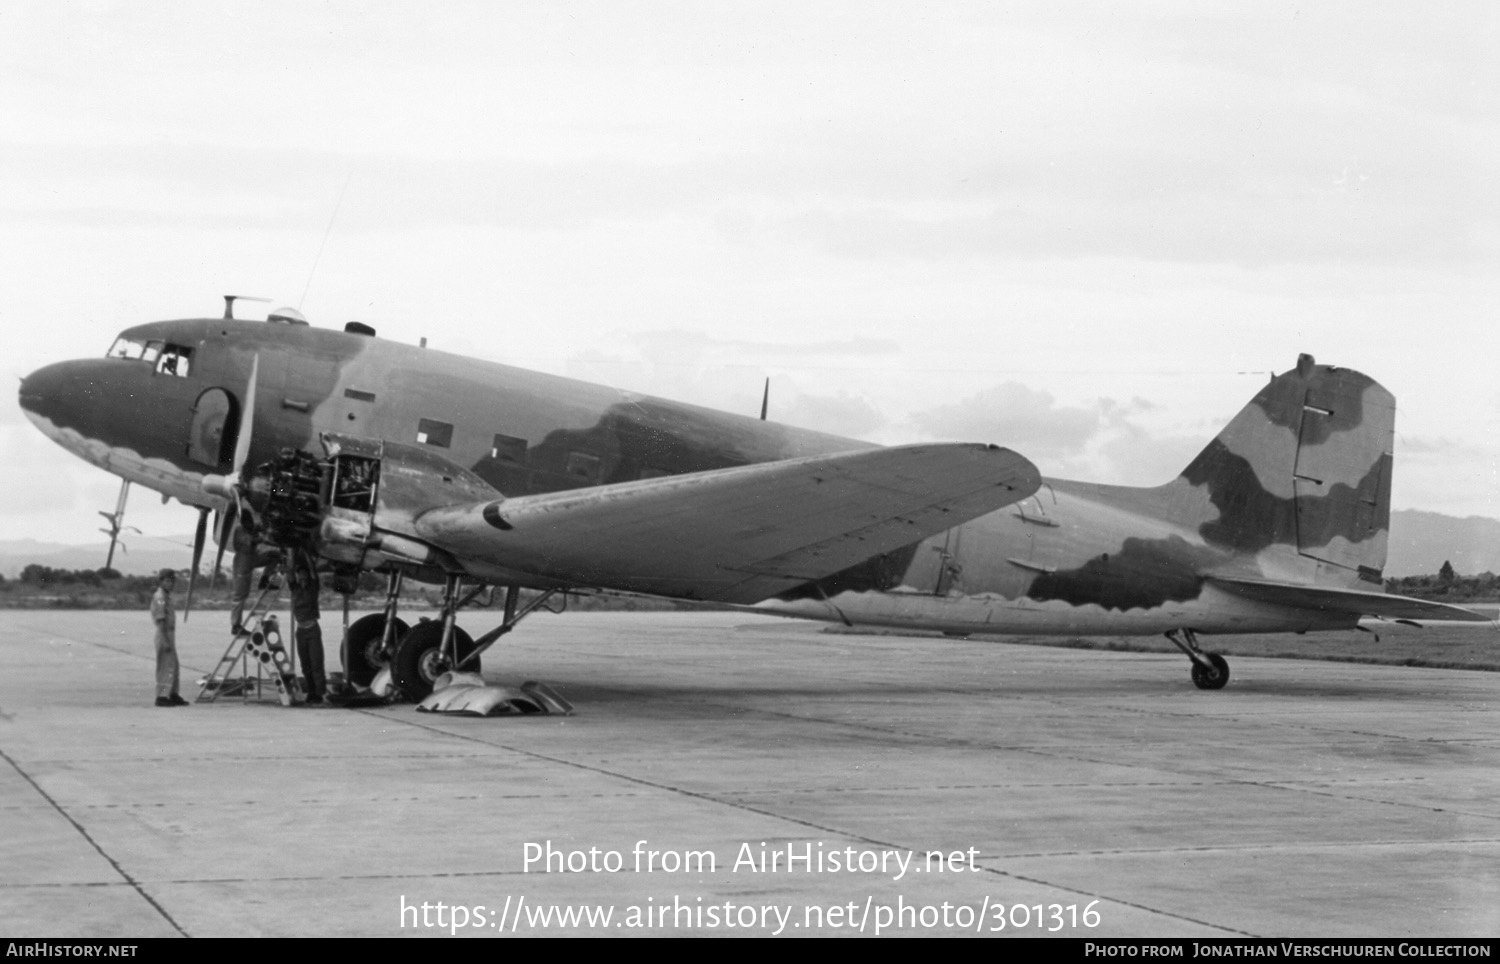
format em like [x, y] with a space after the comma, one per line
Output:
[1211, 679]
[419, 659]
[362, 655]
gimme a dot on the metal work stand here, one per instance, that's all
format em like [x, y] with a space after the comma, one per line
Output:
[260, 641]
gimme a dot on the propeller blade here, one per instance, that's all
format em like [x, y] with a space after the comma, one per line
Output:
[227, 486]
[223, 530]
[198, 537]
[247, 421]
[228, 523]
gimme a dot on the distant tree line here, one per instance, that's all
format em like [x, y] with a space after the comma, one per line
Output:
[1447, 585]
[46, 577]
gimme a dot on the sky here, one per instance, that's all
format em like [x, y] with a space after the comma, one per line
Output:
[1087, 232]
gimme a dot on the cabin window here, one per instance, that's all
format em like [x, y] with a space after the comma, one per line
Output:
[508, 448]
[174, 360]
[432, 432]
[583, 465]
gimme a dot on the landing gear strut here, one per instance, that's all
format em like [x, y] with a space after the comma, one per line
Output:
[433, 647]
[430, 649]
[1210, 670]
[364, 655]
[368, 642]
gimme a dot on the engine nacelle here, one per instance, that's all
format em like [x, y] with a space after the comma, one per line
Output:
[358, 506]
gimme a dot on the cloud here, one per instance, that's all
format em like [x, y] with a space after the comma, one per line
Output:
[1423, 445]
[1016, 417]
[694, 343]
[1130, 456]
[1106, 440]
[840, 414]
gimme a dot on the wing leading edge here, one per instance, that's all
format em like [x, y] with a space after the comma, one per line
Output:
[737, 535]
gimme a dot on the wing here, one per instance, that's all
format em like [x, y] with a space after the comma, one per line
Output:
[1350, 601]
[737, 535]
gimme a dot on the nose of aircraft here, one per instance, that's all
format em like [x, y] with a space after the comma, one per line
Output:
[61, 393]
[37, 387]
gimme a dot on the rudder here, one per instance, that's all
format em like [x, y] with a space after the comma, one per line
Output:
[1305, 470]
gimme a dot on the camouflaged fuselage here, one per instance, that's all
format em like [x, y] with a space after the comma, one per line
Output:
[1295, 489]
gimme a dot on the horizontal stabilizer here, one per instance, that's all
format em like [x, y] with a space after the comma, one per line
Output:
[1354, 602]
[740, 534]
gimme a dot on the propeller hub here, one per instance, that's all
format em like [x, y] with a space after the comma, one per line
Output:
[219, 485]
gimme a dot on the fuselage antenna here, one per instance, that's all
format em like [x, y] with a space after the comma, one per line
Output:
[229, 301]
[326, 232]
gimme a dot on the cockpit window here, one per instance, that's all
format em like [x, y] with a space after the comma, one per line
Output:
[126, 348]
[133, 350]
[174, 360]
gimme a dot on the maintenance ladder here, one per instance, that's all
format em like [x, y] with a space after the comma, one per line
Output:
[260, 640]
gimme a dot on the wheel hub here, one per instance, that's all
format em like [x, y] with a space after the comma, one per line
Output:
[432, 665]
[375, 653]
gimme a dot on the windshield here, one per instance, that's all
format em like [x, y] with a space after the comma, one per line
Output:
[133, 349]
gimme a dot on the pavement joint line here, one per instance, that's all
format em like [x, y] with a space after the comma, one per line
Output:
[258, 758]
[1186, 784]
[1048, 753]
[1240, 848]
[1043, 750]
[287, 878]
[1389, 803]
[54, 635]
[1119, 852]
[1272, 785]
[310, 801]
[1060, 785]
[926, 738]
[1130, 903]
[805, 791]
[920, 787]
[707, 798]
[132, 653]
[1309, 728]
[63, 884]
[95, 844]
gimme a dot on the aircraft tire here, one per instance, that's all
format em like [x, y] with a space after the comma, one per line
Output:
[418, 661]
[361, 652]
[1215, 680]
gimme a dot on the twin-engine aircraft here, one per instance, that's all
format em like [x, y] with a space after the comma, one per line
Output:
[414, 462]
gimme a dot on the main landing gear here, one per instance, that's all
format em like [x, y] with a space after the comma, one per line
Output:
[1210, 670]
[418, 655]
[369, 642]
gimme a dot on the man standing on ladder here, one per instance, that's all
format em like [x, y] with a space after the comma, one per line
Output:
[248, 557]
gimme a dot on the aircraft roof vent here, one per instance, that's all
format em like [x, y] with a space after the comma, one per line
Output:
[286, 316]
[359, 328]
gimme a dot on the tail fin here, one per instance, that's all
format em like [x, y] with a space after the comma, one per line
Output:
[1304, 471]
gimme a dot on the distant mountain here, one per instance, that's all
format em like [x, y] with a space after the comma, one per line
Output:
[143, 556]
[1420, 543]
